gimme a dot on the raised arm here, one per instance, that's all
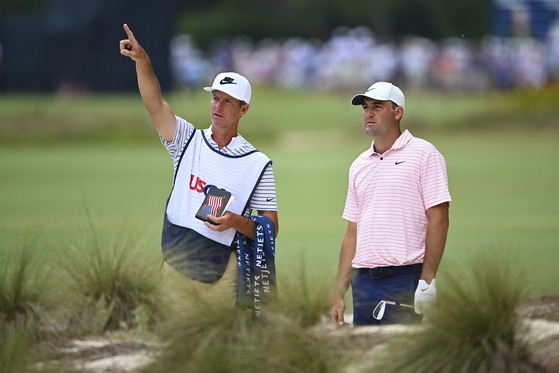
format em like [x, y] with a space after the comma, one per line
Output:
[150, 90]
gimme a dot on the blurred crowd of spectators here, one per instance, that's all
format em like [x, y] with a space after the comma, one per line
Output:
[354, 58]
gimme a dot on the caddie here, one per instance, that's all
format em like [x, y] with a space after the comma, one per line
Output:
[216, 156]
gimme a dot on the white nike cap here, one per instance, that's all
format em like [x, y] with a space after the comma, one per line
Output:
[382, 91]
[235, 85]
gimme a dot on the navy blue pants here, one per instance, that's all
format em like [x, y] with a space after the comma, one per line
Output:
[397, 284]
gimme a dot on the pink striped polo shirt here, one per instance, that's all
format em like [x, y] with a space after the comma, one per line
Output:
[388, 196]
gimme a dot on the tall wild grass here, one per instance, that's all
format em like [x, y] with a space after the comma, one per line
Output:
[107, 282]
[112, 279]
[475, 326]
[24, 300]
[212, 335]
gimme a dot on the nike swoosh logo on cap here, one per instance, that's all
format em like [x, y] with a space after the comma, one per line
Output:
[227, 80]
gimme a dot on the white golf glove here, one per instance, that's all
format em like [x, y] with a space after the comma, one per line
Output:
[425, 297]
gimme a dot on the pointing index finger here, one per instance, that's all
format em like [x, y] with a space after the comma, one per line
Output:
[129, 32]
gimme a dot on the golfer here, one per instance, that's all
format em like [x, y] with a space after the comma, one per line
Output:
[216, 156]
[397, 212]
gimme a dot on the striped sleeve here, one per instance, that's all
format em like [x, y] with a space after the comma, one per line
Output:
[351, 209]
[183, 132]
[434, 179]
[264, 197]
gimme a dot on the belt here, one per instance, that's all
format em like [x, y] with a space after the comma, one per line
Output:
[379, 273]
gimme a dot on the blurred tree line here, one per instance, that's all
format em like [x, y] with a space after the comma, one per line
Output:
[64, 31]
[208, 20]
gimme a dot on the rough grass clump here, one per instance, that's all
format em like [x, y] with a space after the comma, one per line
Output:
[474, 328]
[24, 287]
[15, 351]
[230, 339]
[304, 297]
[24, 301]
[20, 299]
[211, 335]
[113, 279]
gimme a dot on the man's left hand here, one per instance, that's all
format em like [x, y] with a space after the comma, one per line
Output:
[425, 297]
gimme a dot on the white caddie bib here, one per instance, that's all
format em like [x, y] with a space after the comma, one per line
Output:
[201, 165]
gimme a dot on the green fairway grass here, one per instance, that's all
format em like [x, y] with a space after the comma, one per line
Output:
[64, 162]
